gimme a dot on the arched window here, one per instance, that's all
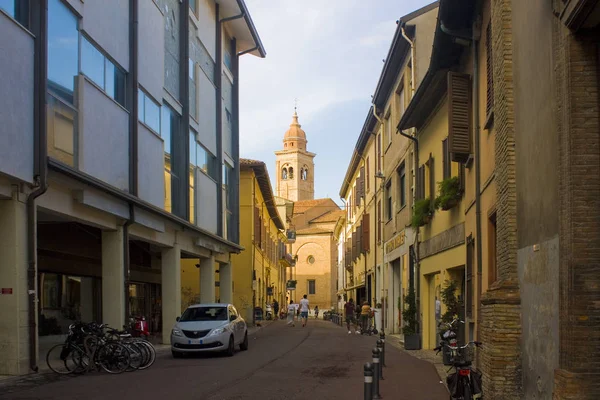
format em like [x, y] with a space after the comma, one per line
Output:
[291, 173]
[284, 174]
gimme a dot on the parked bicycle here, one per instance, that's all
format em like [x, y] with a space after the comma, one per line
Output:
[98, 347]
[464, 383]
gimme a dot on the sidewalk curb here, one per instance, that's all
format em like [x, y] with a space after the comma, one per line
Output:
[439, 367]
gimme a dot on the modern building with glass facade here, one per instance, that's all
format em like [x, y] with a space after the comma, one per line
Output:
[118, 158]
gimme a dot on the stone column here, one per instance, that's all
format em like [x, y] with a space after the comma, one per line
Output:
[226, 283]
[207, 280]
[113, 289]
[171, 289]
[14, 332]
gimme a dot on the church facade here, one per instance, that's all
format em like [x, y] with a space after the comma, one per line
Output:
[316, 223]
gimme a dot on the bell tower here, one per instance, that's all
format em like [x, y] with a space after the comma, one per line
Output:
[295, 165]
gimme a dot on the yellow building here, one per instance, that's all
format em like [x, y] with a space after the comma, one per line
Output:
[360, 191]
[258, 271]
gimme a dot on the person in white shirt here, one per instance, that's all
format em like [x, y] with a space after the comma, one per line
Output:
[291, 313]
[304, 310]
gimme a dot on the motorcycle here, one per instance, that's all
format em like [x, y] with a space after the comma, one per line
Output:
[139, 327]
[268, 312]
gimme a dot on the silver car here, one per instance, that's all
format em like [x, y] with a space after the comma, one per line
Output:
[209, 327]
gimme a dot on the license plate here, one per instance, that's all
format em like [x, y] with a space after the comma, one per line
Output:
[199, 341]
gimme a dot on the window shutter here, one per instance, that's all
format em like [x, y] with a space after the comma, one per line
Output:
[359, 241]
[256, 226]
[366, 224]
[348, 260]
[263, 236]
[379, 221]
[421, 183]
[354, 236]
[459, 116]
[362, 182]
[490, 70]
[367, 175]
[446, 159]
[431, 179]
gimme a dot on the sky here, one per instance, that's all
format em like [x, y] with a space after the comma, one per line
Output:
[326, 53]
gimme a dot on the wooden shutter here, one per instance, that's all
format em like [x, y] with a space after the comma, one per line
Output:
[359, 240]
[431, 178]
[446, 159]
[490, 70]
[421, 183]
[368, 175]
[354, 245]
[348, 253]
[256, 226]
[263, 235]
[362, 182]
[379, 221]
[366, 224]
[459, 116]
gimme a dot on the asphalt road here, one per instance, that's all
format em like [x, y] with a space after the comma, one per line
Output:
[320, 361]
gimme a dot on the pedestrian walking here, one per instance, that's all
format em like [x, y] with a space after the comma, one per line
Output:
[291, 313]
[304, 310]
[349, 310]
[365, 313]
[276, 308]
[316, 312]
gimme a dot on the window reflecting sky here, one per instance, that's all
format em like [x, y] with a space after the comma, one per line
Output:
[62, 45]
[8, 6]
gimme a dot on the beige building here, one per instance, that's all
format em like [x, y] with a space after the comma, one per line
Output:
[295, 166]
[314, 223]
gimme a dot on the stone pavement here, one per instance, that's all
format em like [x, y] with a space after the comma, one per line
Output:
[320, 361]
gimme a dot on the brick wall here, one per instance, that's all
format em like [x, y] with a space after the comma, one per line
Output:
[577, 119]
[501, 304]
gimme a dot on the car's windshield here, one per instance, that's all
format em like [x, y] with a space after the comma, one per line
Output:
[204, 314]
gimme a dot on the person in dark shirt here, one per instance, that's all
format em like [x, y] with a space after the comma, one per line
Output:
[276, 308]
[349, 310]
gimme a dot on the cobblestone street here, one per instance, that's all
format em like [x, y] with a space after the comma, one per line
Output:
[320, 361]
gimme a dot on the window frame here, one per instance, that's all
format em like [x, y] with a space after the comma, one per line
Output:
[142, 111]
[106, 58]
[402, 184]
[314, 284]
[388, 200]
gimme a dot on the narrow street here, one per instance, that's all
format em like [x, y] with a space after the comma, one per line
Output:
[320, 361]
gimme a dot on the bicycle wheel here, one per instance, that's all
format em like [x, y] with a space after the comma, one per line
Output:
[113, 357]
[65, 359]
[151, 354]
[136, 355]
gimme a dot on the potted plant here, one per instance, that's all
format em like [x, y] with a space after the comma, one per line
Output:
[450, 300]
[450, 193]
[412, 339]
[422, 213]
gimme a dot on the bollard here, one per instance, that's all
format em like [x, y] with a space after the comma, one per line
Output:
[368, 371]
[382, 338]
[376, 394]
[380, 348]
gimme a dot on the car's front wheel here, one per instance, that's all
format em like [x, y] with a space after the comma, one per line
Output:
[230, 348]
[244, 344]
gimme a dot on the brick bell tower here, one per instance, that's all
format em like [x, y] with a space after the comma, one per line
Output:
[295, 165]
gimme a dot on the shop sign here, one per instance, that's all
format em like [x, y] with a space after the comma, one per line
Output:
[394, 243]
[7, 291]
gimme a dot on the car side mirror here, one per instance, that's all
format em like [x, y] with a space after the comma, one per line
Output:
[177, 319]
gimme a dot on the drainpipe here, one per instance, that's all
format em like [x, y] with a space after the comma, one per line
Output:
[253, 249]
[41, 168]
[133, 145]
[412, 57]
[380, 222]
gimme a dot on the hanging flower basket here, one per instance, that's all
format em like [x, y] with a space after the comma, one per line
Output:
[450, 194]
[422, 213]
